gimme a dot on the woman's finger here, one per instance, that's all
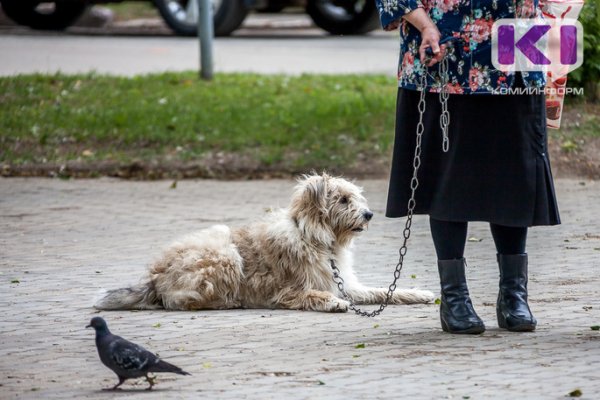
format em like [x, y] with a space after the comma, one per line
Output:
[425, 44]
[435, 47]
[422, 49]
[440, 56]
[437, 57]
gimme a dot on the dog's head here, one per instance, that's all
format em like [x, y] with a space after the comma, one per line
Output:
[328, 206]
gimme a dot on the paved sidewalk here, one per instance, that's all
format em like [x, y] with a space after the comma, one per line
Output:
[63, 240]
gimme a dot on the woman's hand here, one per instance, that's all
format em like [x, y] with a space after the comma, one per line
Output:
[430, 36]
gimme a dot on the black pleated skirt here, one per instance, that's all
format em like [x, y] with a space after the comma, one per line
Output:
[496, 170]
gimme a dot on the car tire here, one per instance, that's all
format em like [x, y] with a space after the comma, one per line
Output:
[228, 16]
[28, 13]
[339, 20]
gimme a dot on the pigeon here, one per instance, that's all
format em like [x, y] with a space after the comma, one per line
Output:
[126, 359]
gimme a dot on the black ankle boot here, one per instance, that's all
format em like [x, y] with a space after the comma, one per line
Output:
[512, 309]
[456, 311]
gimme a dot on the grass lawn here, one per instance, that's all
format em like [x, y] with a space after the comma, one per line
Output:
[293, 123]
[174, 125]
[580, 121]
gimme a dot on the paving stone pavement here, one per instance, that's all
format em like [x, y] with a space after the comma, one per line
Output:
[64, 240]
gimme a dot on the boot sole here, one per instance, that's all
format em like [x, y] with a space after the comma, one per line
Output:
[522, 328]
[527, 327]
[471, 331]
[518, 328]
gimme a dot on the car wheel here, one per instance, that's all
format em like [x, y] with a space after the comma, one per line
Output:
[182, 15]
[344, 17]
[42, 14]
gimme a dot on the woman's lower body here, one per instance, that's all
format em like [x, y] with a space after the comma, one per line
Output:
[496, 170]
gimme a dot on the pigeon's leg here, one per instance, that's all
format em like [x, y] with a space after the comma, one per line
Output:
[121, 380]
[150, 381]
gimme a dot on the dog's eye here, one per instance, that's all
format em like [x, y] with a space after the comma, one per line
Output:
[344, 199]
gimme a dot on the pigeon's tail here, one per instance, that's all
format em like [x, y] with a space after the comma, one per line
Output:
[163, 366]
[139, 297]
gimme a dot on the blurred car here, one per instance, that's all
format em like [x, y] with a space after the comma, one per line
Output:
[339, 17]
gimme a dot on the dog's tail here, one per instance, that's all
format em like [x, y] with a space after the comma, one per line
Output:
[139, 297]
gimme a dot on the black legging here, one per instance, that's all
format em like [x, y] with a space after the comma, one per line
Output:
[449, 238]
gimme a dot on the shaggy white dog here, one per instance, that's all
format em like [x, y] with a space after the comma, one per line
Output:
[281, 262]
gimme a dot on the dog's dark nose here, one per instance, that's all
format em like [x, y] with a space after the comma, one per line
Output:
[368, 215]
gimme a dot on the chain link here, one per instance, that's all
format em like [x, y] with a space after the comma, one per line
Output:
[414, 183]
[444, 94]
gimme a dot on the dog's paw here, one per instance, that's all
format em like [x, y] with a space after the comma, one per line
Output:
[422, 296]
[425, 295]
[412, 296]
[337, 305]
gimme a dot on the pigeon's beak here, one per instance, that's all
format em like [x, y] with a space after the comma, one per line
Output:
[88, 326]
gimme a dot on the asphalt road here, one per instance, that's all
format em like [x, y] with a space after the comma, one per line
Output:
[257, 48]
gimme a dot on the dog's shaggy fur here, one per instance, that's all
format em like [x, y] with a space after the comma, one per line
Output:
[280, 262]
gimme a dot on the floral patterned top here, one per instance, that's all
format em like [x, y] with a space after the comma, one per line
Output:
[469, 57]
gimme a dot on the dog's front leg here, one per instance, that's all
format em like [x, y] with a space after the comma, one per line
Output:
[361, 294]
[313, 300]
[366, 295]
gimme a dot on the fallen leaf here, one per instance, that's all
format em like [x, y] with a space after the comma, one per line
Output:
[595, 327]
[474, 239]
[413, 276]
[576, 393]
[568, 145]
[320, 382]
[157, 325]
[15, 281]
[360, 346]
[376, 326]
[438, 301]
[87, 153]
[207, 365]
[173, 185]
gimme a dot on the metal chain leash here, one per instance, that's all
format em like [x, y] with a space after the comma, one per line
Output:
[445, 114]
[414, 183]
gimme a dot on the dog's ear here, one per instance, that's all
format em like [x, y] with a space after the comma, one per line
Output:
[316, 191]
[309, 208]
[310, 195]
